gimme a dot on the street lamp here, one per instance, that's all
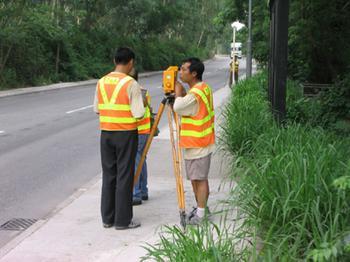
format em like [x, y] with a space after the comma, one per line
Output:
[249, 42]
[235, 26]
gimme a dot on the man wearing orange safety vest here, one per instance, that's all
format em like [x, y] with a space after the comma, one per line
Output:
[144, 129]
[118, 101]
[197, 136]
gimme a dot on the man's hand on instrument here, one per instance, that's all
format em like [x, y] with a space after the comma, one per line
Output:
[179, 90]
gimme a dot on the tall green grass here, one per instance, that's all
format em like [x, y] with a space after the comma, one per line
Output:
[208, 242]
[246, 116]
[292, 193]
[293, 185]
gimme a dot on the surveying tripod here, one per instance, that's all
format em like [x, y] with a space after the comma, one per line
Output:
[168, 101]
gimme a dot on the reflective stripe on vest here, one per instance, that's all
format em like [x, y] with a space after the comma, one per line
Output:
[144, 124]
[115, 113]
[198, 131]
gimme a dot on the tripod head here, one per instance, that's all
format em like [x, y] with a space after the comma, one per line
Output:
[169, 98]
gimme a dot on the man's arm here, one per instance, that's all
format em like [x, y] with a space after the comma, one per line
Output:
[136, 101]
[179, 90]
[144, 96]
[185, 104]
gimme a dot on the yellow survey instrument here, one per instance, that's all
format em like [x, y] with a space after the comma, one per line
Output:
[169, 79]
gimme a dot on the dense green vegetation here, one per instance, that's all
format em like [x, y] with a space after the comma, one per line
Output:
[292, 193]
[44, 41]
[319, 39]
[293, 182]
[319, 52]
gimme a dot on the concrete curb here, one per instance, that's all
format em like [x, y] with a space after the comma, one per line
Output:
[36, 89]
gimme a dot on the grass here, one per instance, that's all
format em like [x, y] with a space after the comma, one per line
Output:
[292, 180]
[208, 242]
[292, 193]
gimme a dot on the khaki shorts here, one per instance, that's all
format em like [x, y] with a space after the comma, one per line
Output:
[198, 169]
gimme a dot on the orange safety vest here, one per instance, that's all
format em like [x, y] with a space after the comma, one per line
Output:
[198, 131]
[144, 124]
[114, 104]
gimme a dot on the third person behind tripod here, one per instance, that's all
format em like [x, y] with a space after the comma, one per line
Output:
[143, 128]
[197, 136]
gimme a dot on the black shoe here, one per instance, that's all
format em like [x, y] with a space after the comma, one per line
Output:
[132, 225]
[145, 197]
[107, 225]
[136, 201]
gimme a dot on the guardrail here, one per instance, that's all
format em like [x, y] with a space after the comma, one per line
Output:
[314, 89]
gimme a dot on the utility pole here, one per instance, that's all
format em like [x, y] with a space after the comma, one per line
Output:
[249, 42]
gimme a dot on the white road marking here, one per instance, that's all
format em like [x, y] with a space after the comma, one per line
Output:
[2, 132]
[79, 109]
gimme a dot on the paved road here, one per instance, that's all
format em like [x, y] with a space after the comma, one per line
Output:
[49, 145]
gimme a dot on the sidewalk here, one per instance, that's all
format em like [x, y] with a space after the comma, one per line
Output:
[74, 232]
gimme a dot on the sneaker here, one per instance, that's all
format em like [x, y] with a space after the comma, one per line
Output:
[132, 225]
[145, 197]
[195, 220]
[106, 225]
[136, 201]
[192, 213]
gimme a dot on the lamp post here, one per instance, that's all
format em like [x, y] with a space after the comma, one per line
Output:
[235, 26]
[249, 42]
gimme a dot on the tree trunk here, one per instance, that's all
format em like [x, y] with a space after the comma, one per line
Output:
[200, 38]
[3, 63]
[57, 58]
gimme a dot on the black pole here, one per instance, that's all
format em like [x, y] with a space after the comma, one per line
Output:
[249, 42]
[279, 10]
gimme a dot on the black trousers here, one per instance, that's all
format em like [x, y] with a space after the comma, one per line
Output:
[118, 153]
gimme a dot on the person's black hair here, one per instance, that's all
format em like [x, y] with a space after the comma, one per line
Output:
[196, 65]
[123, 55]
[134, 74]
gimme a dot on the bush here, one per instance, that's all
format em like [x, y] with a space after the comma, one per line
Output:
[46, 43]
[336, 100]
[292, 187]
[247, 115]
[330, 110]
[294, 202]
[302, 109]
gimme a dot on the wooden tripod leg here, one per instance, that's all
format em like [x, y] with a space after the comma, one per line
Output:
[179, 178]
[174, 153]
[149, 140]
[179, 156]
